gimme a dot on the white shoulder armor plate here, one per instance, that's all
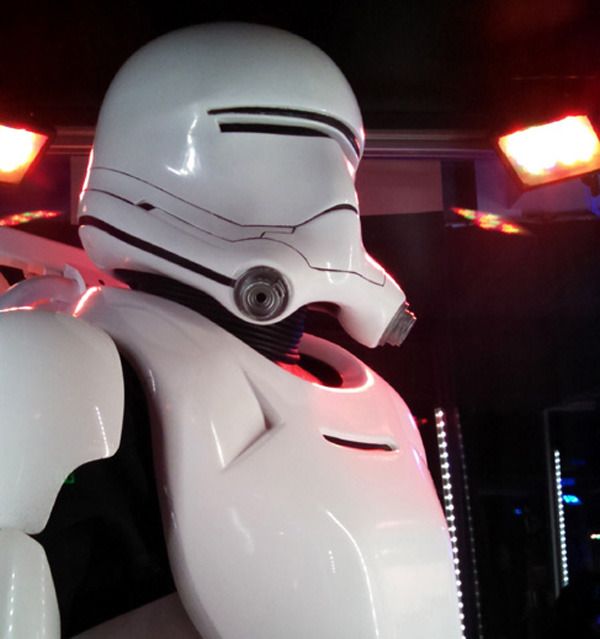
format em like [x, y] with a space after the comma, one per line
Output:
[291, 508]
[61, 405]
[28, 606]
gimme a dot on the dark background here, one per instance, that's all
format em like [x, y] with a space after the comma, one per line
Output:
[412, 63]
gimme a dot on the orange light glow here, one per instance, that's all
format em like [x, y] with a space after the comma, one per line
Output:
[468, 214]
[85, 298]
[553, 151]
[488, 221]
[491, 221]
[88, 172]
[18, 149]
[29, 216]
[16, 308]
[510, 229]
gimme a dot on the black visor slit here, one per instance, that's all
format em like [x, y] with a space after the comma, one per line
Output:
[344, 129]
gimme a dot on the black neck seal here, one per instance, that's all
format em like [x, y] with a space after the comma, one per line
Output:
[278, 342]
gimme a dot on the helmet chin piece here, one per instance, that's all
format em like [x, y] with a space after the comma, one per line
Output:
[261, 293]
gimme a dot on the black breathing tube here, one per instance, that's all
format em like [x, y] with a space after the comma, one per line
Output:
[278, 342]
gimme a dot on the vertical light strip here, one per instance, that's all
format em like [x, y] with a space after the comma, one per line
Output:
[560, 509]
[467, 499]
[442, 442]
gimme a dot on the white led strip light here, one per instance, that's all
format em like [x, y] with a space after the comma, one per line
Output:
[562, 533]
[440, 424]
[467, 500]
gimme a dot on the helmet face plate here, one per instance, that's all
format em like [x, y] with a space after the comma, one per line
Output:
[227, 147]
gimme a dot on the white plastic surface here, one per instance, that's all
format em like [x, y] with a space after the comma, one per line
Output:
[40, 256]
[171, 191]
[28, 606]
[61, 405]
[49, 292]
[273, 530]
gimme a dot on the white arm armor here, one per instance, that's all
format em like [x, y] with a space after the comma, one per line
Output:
[61, 405]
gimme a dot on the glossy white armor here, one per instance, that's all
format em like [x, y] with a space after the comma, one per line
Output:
[225, 158]
[40, 256]
[28, 607]
[277, 525]
[61, 405]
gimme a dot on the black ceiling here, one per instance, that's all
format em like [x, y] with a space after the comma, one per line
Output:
[412, 63]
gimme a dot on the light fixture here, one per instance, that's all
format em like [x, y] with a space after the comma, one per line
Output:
[16, 219]
[552, 151]
[562, 531]
[442, 443]
[20, 147]
[491, 221]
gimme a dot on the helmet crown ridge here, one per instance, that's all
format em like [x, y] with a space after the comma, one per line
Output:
[230, 67]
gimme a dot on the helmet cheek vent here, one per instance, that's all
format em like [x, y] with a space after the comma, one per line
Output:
[261, 293]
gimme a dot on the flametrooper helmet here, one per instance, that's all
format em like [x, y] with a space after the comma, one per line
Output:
[224, 158]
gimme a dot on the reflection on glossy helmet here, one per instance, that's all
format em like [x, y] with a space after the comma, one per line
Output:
[224, 158]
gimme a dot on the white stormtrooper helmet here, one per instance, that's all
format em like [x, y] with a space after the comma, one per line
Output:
[224, 158]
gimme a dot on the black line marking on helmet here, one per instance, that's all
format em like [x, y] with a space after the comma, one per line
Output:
[268, 229]
[156, 250]
[284, 227]
[276, 129]
[327, 269]
[296, 113]
[336, 207]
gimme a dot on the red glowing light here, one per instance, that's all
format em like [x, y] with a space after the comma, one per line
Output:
[468, 214]
[85, 298]
[29, 216]
[553, 151]
[510, 229]
[488, 221]
[18, 150]
[88, 172]
[491, 221]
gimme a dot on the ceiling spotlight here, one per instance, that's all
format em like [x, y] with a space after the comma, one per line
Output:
[19, 148]
[553, 151]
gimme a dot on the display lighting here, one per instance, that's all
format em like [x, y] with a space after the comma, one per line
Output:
[562, 532]
[29, 216]
[442, 443]
[19, 148]
[469, 513]
[572, 500]
[553, 151]
[595, 536]
[490, 221]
